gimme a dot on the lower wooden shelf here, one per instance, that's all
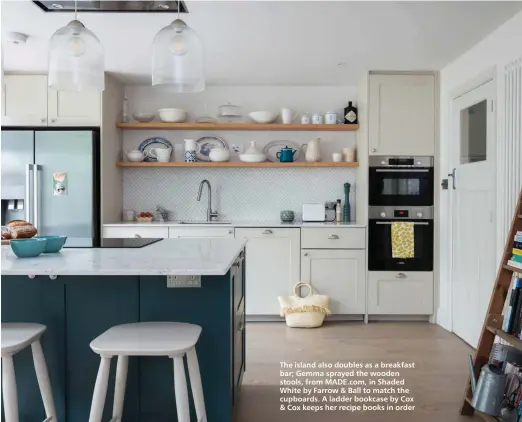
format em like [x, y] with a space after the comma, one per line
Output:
[514, 341]
[266, 164]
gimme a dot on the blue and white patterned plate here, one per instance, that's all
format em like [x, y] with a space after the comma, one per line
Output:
[150, 141]
[207, 143]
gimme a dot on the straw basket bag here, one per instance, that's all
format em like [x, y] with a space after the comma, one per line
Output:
[304, 312]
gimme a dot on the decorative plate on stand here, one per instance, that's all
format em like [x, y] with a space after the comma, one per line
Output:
[144, 146]
[206, 144]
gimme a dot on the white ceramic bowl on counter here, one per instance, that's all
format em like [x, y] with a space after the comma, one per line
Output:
[263, 116]
[172, 115]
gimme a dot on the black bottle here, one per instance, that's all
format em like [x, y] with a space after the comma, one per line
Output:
[350, 114]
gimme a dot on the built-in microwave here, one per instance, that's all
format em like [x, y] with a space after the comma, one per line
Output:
[401, 181]
[380, 234]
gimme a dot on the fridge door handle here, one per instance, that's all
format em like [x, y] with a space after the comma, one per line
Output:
[36, 195]
[28, 198]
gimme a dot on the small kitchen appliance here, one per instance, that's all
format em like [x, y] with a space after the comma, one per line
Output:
[401, 181]
[313, 212]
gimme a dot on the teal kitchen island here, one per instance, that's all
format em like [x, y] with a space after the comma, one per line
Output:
[80, 293]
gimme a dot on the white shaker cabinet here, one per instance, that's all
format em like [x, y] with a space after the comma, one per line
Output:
[272, 267]
[400, 293]
[70, 108]
[338, 273]
[135, 231]
[24, 100]
[401, 114]
[194, 232]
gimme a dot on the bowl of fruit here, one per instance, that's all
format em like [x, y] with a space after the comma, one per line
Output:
[144, 217]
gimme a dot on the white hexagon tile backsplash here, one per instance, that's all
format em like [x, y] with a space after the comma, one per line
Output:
[244, 194]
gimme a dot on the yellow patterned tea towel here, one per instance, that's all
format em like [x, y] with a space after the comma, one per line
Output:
[402, 239]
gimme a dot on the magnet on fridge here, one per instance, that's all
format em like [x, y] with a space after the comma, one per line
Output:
[60, 184]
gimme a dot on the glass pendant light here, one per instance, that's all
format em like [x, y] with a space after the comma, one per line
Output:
[76, 60]
[177, 58]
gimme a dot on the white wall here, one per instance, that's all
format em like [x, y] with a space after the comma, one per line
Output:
[270, 189]
[490, 56]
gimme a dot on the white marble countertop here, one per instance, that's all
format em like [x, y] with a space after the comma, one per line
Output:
[235, 223]
[167, 257]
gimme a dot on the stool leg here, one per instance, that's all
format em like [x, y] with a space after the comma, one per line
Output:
[119, 389]
[100, 389]
[9, 390]
[195, 383]
[180, 388]
[42, 375]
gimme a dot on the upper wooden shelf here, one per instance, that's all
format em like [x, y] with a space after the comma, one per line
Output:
[266, 164]
[235, 126]
[514, 341]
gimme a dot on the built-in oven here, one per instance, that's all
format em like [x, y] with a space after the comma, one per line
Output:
[401, 181]
[386, 255]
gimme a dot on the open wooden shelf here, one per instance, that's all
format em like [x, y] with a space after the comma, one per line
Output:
[266, 164]
[235, 126]
[513, 269]
[514, 341]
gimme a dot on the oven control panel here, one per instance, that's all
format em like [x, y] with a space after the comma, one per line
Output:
[398, 162]
[400, 213]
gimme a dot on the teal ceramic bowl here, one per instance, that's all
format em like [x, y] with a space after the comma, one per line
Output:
[54, 243]
[28, 248]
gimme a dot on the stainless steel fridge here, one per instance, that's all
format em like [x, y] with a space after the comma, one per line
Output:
[51, 178]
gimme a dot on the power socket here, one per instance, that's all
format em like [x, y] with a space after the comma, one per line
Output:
[183, 281]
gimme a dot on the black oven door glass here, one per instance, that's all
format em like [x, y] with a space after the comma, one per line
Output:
[380, 247]
[397, 187]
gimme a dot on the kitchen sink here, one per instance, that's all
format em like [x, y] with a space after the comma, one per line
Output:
[203, 222]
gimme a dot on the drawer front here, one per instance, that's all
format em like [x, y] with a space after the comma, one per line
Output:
[139, 231]
[265, 232]
[333, 238]
[192, 232]
[400, 293]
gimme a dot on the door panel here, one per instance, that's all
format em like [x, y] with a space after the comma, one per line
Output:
[402, 114]
[272, 267]
[70, 108]
[70, 214]
[473, 210]
[17, 109]
[339, 274]
[17, 155]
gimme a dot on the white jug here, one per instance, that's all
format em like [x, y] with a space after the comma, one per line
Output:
[162, 155]
[313, 150]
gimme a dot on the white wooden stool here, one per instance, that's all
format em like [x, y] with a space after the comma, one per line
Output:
[16, 337]
[172, 339]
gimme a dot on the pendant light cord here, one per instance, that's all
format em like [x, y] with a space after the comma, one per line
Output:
[75, 9]
[178, 9]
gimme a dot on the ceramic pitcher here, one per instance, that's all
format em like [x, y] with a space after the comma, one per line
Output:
[313, 150]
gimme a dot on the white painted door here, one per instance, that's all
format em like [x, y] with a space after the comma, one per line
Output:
[70, 108]
[338, 273]
[402, 115]
[472, 193]
[272, 266]
[24, 100]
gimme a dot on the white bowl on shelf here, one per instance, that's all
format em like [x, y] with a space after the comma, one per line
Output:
[172, 115]
[252, 158]
[263, 116]
[143, 117]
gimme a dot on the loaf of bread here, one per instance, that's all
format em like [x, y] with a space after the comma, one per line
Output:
[21, 229]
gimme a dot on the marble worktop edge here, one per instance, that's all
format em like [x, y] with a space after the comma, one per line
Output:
[167, 257]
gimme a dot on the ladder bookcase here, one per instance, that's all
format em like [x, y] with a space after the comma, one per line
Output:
[493, 324]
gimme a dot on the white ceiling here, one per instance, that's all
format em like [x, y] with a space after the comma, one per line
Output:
[279, 42]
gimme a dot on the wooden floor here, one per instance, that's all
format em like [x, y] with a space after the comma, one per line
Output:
[437, 383]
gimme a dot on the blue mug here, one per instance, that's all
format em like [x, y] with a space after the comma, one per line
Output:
[286, 155]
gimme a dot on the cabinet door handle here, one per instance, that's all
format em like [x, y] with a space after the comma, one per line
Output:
[374, 149]
[333, 237]
[268, 231]
[305, 254]
[43, 119]
[230, 232]
[400, 275]
[137, 236]
[53, 120]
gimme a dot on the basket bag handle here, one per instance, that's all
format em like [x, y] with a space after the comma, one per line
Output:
[303, 284]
